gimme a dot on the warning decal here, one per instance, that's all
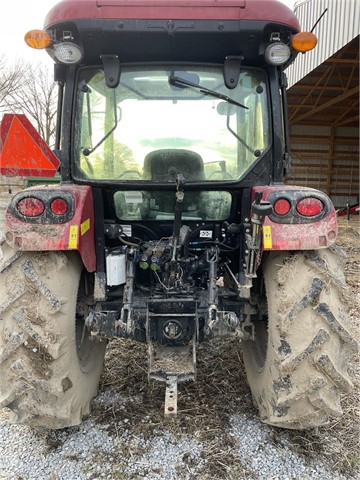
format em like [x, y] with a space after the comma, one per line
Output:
[73, 236]
[85, 226]
[267, 237]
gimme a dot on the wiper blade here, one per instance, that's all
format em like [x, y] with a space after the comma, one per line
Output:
[181, 82]
[88, 151]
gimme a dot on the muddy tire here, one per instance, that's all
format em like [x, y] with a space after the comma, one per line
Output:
[297, 365]
[49, 367]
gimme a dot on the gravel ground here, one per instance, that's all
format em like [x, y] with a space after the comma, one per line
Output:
[124, 439]
[90, 452]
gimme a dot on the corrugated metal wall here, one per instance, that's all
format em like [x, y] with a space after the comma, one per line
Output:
[339, 26]
[323, 100]
[326, 158]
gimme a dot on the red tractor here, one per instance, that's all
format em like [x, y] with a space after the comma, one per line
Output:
[171, 224]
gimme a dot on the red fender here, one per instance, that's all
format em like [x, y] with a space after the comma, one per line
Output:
[294, 231]
[71, 231]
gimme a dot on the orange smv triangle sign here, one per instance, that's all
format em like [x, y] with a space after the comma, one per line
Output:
[24, 152]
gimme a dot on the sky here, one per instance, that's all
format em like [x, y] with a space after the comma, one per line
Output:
[19, 17]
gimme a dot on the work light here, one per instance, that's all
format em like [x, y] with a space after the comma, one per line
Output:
[277, 53]
[67, 52]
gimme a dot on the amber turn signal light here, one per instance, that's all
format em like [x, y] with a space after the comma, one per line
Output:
[304, 41]
[37, 39]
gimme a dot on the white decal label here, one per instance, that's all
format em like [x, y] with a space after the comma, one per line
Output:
[205, 233]
[133, 197]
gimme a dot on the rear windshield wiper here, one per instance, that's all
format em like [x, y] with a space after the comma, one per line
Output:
[181, 82]
[88, 151]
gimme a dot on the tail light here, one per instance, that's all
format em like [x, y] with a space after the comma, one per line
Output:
[309, 207]
[31, 207]
[43, 205]
[298, 205]
[282, 206]
[59, 206]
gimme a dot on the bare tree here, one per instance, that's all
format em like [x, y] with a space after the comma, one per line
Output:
[29, 89]
[11, 78]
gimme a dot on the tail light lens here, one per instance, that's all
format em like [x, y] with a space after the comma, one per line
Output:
[282, 206]
[59, 206]
[309, 207]
[31, 207]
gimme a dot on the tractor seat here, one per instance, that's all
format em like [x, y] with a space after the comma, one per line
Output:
[165, 165]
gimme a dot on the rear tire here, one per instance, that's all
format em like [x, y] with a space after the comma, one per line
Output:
[49, 365]
[297, 365]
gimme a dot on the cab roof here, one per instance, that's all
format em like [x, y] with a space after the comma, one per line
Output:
[264, 10]
[172, 30]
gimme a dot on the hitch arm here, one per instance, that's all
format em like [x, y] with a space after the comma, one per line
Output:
[260, 210]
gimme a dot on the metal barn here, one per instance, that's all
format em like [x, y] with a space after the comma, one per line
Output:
[323, 98]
